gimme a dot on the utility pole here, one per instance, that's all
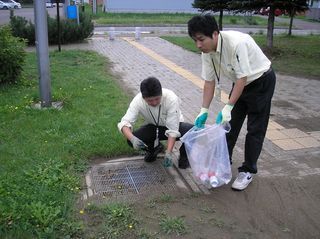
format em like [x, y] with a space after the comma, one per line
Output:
[41, 26]
[94, 6]
[58, 25]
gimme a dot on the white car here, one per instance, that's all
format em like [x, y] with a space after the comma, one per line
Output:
[4, 5]
[12, 4]
[49, 4]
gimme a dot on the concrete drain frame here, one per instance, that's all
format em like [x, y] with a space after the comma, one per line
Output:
[132, 179]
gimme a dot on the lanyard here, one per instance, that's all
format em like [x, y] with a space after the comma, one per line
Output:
[156, 122]
[214, 67]
[156, 142]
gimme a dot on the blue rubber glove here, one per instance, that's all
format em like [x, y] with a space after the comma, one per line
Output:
[201, 118]
[224, 115]
[167, 161]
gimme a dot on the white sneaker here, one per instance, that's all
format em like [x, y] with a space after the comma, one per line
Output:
[242, 181]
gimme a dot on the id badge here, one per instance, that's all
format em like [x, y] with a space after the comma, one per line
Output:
[156, 142]
[217, 93]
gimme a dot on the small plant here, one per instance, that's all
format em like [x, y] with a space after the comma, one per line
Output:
[166, 198]
[119, 220]
[173, 225]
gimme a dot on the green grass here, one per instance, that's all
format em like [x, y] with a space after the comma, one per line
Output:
[292, 55]
[173, 225]
[145, 19]
[44, 152]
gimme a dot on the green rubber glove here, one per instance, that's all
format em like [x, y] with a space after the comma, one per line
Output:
[138, 144]
[201, 118]
[225, 114]
[167, 161]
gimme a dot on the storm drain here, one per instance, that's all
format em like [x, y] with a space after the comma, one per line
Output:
[131, 180]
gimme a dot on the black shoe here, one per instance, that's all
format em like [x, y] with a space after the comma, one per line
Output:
[152, 155]
[183, 163]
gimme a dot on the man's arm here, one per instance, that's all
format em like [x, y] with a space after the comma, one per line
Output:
[170, 143]
[127, 132]
[208, 92]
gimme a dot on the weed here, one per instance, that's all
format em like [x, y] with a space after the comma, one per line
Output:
[173, 225]
[166, 198]
[119, 219]
[217, 222]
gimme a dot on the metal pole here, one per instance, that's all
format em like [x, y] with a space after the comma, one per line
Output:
[78, 17]
[94, 6]
[41, 27]
[58, 23]
[65, 6]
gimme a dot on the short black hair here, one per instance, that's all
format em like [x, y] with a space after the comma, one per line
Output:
[204, 24]
[150, 87]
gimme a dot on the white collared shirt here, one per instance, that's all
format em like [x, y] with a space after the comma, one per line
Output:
[170, 114]
[240, 57]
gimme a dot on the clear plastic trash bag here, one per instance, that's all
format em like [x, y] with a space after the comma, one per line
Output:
[208, 154]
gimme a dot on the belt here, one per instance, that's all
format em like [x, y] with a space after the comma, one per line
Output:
[267, 72]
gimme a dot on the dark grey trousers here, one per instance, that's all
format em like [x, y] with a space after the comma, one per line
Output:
[254, 102]
[147, 133]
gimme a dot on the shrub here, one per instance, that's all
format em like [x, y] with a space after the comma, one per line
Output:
[12, 56]
[70, 31]
[23, 28]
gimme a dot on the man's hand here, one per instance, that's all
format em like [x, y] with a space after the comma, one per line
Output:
[201, 118]
[167, 161]
[224, 115]
[138, 144]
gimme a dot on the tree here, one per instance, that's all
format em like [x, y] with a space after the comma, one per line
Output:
[293, 7]
[289, 6]
[214, 6]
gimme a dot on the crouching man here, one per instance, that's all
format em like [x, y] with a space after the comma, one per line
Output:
[160, 109]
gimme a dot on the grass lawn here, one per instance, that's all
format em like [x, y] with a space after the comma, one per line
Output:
[292, 55]
[44, 152]
[145, 19]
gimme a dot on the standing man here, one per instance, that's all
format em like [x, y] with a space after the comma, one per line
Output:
[160, 109]
[235, 56]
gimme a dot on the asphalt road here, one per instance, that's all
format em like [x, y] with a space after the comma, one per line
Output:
[28, 13]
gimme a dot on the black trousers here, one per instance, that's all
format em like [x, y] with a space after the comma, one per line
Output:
[147, 133]
[254, 102]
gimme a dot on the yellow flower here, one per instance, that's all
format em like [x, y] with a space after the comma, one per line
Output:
[81, 211]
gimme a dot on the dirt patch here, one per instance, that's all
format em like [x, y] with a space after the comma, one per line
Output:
[273, 207]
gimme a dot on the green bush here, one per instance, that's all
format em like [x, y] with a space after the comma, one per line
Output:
[23, 28]
[70, 31]
[12, 56]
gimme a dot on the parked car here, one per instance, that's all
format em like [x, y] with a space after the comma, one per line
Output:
[4, 5]
[12, 4]
[49, 4]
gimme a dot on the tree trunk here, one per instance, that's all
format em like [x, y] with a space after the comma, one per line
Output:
[270, 27]
[290, 25]
[292, 11]
[220, 20]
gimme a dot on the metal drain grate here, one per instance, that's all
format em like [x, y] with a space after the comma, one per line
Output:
[130, 180]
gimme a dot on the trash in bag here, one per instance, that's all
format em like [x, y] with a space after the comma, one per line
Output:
[208, 154]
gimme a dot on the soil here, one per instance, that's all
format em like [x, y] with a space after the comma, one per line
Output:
[269, 208]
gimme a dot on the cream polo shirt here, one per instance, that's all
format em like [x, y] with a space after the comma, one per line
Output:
[240, 57]
[170, 114]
